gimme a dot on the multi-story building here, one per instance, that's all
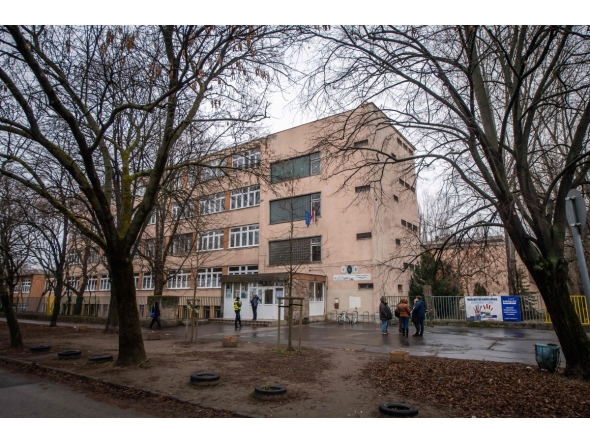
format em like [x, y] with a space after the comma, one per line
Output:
[290, 205]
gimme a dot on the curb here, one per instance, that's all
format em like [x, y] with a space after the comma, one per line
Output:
[124, 386]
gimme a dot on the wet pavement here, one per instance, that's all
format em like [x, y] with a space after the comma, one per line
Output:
[483, 344]
[458, 342]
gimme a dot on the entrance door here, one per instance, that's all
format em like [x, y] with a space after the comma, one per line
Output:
[268, 306]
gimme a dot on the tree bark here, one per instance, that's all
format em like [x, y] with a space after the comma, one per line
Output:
[59, 284]
[131, 350]
[112, 322]
[16, 338]
[511, 263]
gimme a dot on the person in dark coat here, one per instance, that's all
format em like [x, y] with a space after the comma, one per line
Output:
[237, 309]
[155, 315]
[418, 315]
[254, 304]
[384, 315]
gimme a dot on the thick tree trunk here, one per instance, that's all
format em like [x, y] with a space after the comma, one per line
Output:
[511, 263]
[551, 278]
[112, 323]
[78, 304]
[59, 285]
[131, 350]
[16, 338]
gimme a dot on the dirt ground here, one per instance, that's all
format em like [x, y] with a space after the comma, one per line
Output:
[320, 383]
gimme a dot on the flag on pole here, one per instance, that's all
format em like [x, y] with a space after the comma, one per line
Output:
[307, 218]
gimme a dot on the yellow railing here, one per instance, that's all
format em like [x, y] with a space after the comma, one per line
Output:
[581, 307]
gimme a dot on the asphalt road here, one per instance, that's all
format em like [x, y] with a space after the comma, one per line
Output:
[32, 397]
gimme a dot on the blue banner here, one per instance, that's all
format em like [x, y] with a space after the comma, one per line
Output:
[511, 309]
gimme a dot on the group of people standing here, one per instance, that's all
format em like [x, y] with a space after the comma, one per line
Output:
[404, 313]
[238, 308]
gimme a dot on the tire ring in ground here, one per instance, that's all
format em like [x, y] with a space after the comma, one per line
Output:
[276, 392]
[397, 410]
[69, 354]
[101, 358]
[204, 379]
[40, 348]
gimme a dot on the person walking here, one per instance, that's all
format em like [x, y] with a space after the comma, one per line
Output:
[404, 316]
[254, 304]
[155, 315]
[418, 315]
[384, 315]
[237, 309]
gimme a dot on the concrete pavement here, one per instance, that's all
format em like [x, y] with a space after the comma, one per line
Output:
[32, 397]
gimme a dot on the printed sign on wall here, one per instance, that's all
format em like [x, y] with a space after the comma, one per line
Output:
[483, 308]
[511, 309]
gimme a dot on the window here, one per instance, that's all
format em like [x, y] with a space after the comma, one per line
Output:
[91, 285]
[399, 141]
[404, 223]
[214, 203]
[209, 278]
[147, 282]
[398, 242]
[400, 290]
[178, 280]
[181, 244]
[294, 208]
[245, 197]
[408, 266]
[244, 236]
[73, 282]
[26, 286]
[140, 189]
[49, 285]
[407, 185]
[304, 166]
[316, 291]
[183, 211]
[243, 269]
[74, 258]
[395, 198]
[364, 236]
[93, 257]
[246, 159]
[365, 286]
[211, 240]
[153, 217]
[136, 279]
[214, 170]
[361, 143]
[105, 283]
[299, 251]
[150, 247]
[362, 189]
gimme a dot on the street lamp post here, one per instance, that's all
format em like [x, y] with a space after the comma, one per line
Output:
[575, 211]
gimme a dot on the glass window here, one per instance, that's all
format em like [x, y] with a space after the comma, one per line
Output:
[150, 247]
[243, 269]
[268, 296]
[209, 278]
[183, 211]
[26, 286]
[105, 283]
[245, 197]
[181, 244]
[91, 285]
[147, 282]
[294, 208]
[295, 251]
[214, 203]
[73, 282]
[178, 280]
[295, 168]
[211, 240]
[94, 257]
[214, 170]
[136, 279]
[246, 159]
[153, 217]
[244, 236]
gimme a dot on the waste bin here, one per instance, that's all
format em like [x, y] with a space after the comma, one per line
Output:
[547, 356]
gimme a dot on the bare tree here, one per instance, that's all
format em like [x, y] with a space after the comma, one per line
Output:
[481, 102]
[112, 105]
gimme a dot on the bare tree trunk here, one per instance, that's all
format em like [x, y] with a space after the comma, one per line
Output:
[112, 322]
[511, 263]
[16, 339]
[59, 285]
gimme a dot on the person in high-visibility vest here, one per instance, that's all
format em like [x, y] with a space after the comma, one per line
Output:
[237, 309]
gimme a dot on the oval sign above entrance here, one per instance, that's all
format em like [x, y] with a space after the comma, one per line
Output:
[349, 269]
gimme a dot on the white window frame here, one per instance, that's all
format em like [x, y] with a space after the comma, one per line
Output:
[211, 240]
[246, 159]
[178, 280]
[74, 282]
[147, 281]
[74, 258]
[91, 284]
[181, 244]
[187, 212]
[215, 203]
[243, 269]
[93, 256]
[150, 247]
[246, 236]
[105, 283]
[136, 279]
[245, 197]
[153, 218]
[209, 277]
[211, 173]
[25, 286]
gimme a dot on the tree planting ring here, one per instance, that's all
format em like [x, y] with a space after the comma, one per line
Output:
[397, 410]
[40, 348]
[69, 354]
[203, 379]
[270, 393]
[101, 358]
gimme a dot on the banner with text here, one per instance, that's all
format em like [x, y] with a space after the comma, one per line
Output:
[511, 309]
[483, 308]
